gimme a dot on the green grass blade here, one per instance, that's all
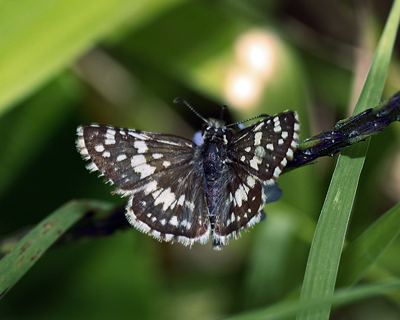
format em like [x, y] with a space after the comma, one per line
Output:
[31, 247]
[326, 248]
[359, 255]
[39, 38]
[284, 310]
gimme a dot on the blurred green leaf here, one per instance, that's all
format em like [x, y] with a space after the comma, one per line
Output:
[269, 273]
[39, 38]
[326, 248]
[31, 247]
[359, 255]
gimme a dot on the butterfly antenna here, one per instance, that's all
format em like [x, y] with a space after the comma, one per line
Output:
[224, 107]
[256, 117]
[179, 100]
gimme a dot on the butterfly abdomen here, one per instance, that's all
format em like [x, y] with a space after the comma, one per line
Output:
[213, 167]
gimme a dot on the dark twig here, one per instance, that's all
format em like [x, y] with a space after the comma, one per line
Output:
[346, 133]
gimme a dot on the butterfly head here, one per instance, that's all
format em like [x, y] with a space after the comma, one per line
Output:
[215, 130]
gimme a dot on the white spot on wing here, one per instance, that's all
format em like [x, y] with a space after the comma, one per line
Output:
[121, 157]
[110, 136]
[168, 142]
[166, 198]
[241, 194]
[190, 205]
[145, 170]
[277, 172]
[109, 141]
[251, 181]
[181, 200]
[99, 148]
[138, 160]
[259, 126]
[155, 194]
[260, 152]
[255, 162]
[257, 138]
[136, 135]
[166, 164]
[140, 146]
[174, 221]
[278, 129]
[289, 154]
[157, 155]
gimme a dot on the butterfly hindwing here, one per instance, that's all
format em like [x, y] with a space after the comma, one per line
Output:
[241, 209]
[171, 207]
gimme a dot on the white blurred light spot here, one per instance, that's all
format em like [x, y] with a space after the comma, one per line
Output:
[242, 89]
[256, 53]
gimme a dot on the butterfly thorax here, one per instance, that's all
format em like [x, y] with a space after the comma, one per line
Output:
[214, 148]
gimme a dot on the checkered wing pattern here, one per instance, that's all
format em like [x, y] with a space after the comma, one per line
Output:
[179, 191]
[158, 172]
[257, 156]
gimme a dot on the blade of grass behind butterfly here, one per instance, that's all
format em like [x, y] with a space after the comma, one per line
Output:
[286, 309]
[31, 247]
[359, 255]
[326, 248]
[40, 38]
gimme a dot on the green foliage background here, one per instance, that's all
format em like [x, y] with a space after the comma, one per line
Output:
[120, 62]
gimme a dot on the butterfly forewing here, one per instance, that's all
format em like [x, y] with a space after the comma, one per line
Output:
[126, 156]
[264, 148]
[158, 172]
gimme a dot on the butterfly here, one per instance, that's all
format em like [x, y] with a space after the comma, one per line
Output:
[184, 192]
